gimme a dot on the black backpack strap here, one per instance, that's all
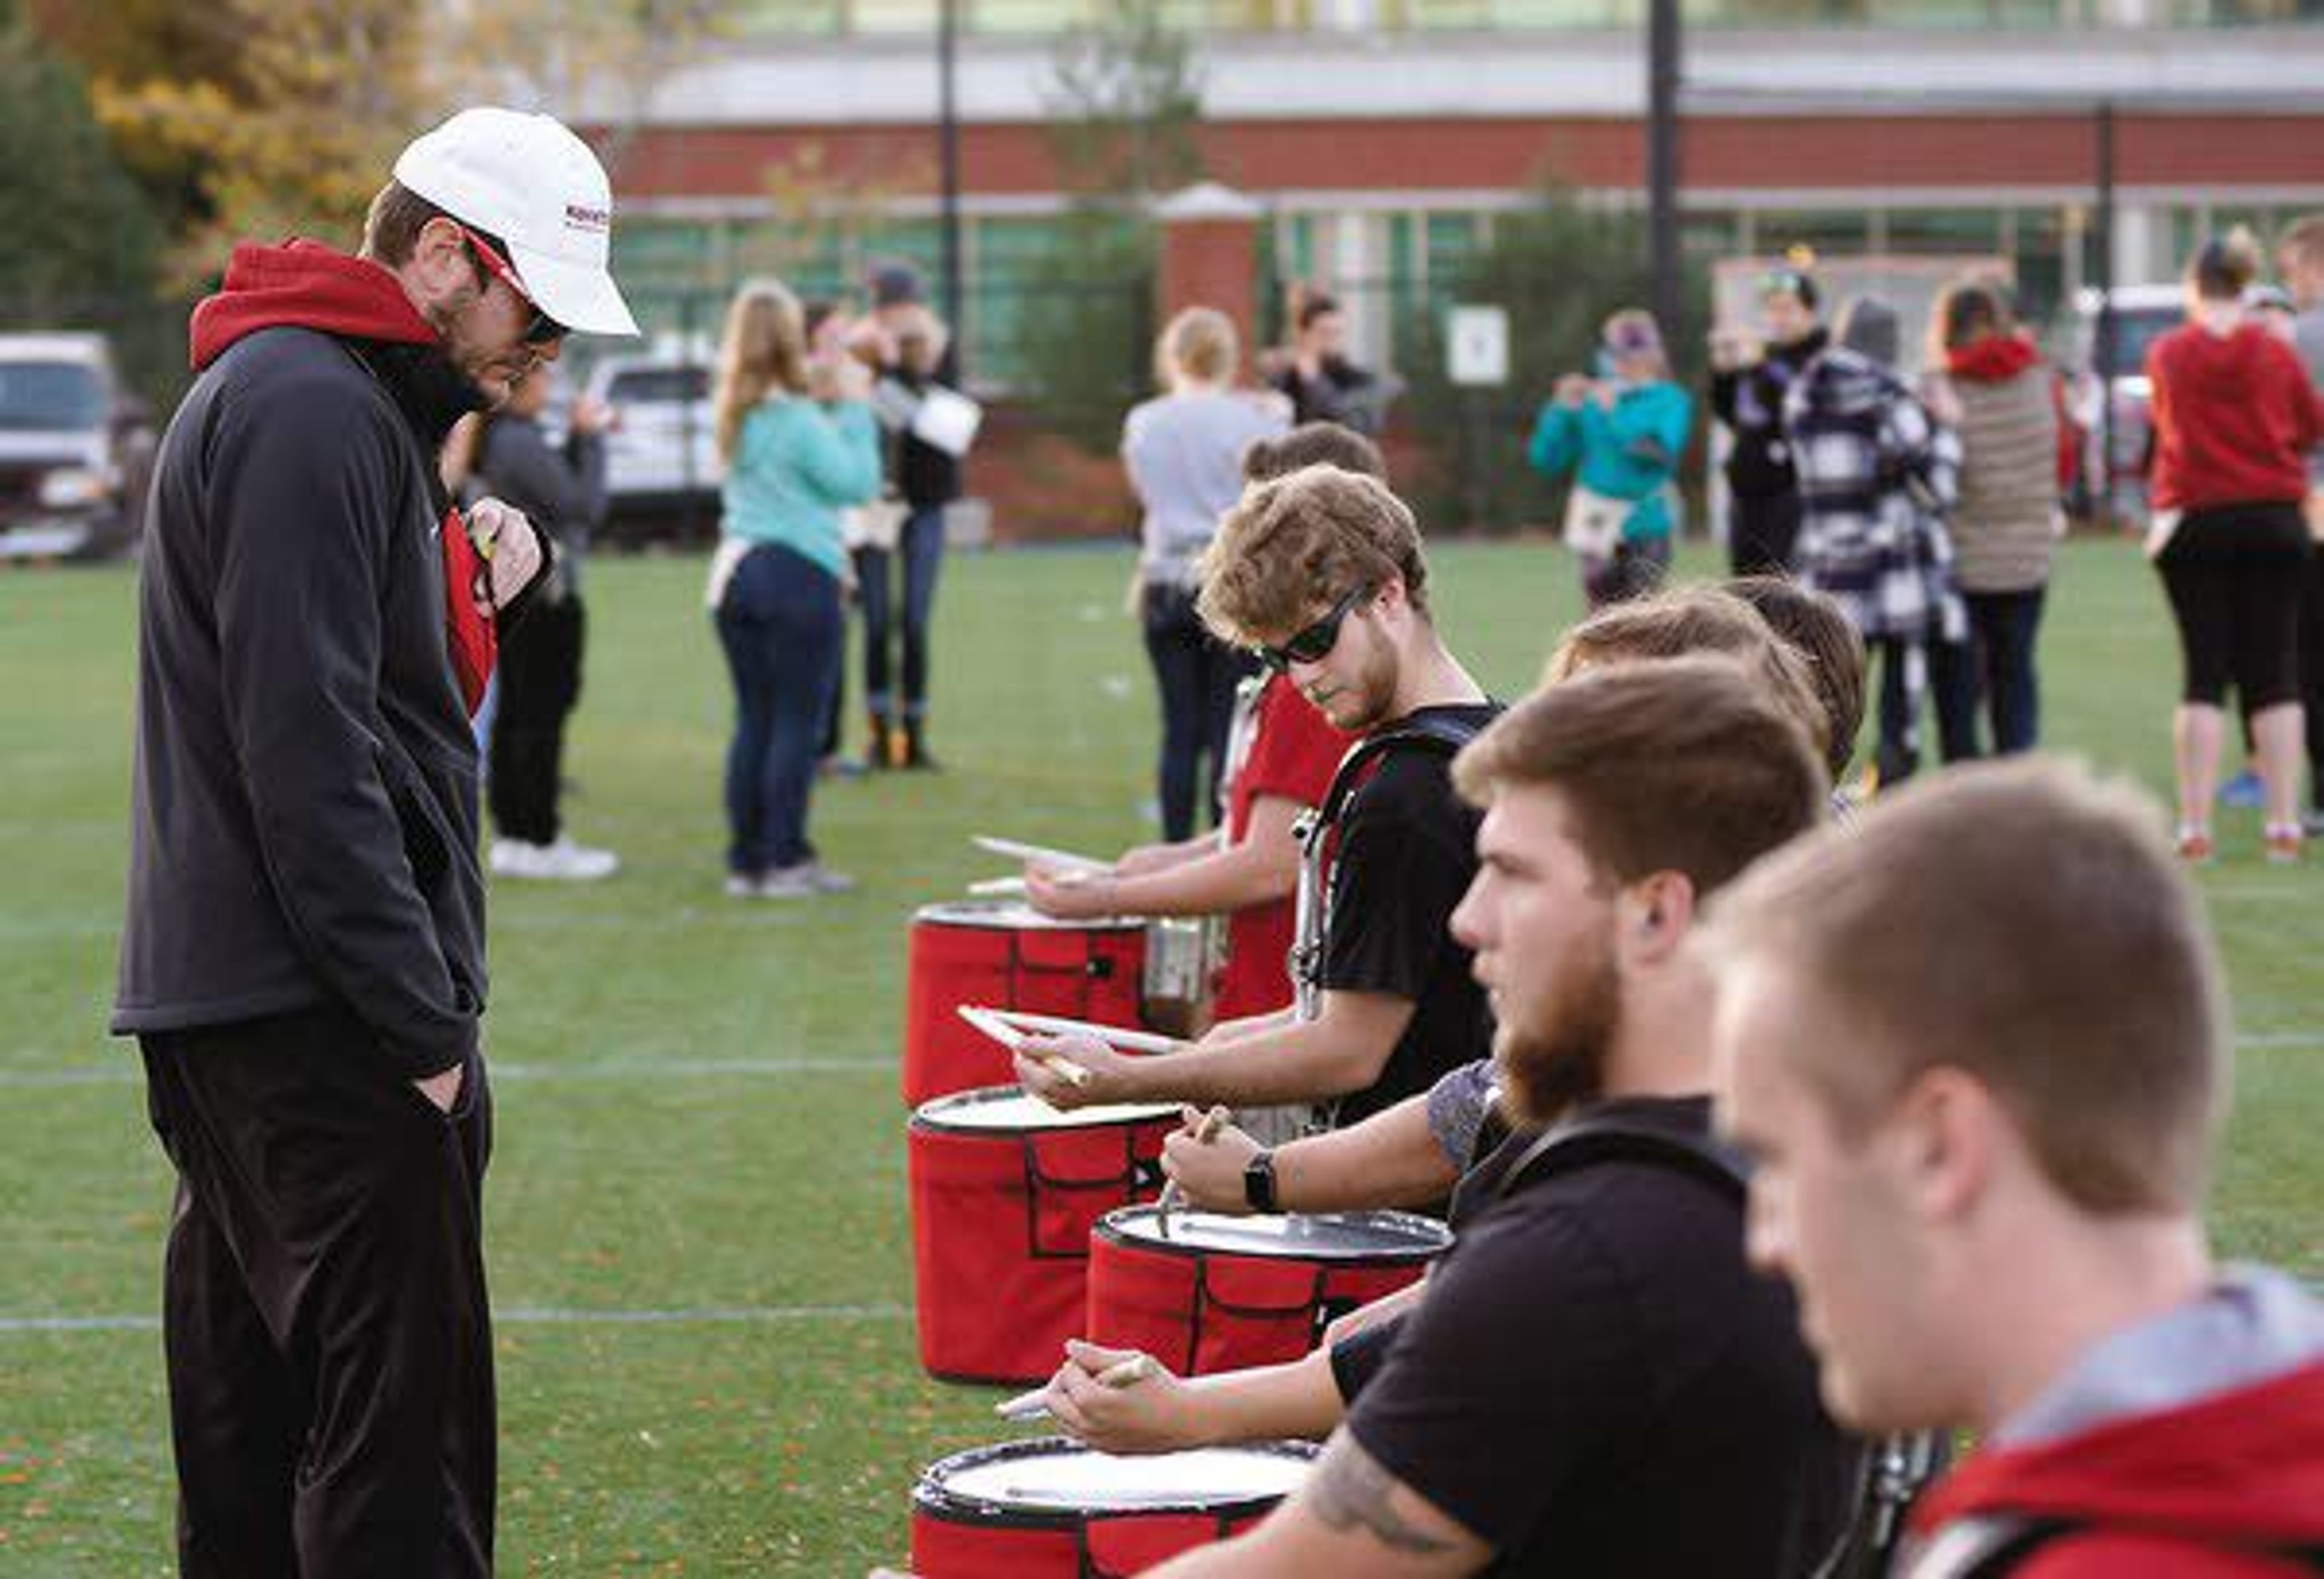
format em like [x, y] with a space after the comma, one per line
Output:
[1431, 731]
[1588, 1142]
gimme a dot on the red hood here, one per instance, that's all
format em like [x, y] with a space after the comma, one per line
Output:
[306, 284]
[1995, 359]
[2244, 1466]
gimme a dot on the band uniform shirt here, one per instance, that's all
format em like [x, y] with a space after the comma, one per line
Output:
[1407, 852]
[1598, 1383]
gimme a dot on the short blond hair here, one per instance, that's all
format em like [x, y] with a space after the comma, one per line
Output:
[2029, 926]
[2301, 244]
[1297, 543]
[1682, 621]
[1200, 343]
[1683, 764]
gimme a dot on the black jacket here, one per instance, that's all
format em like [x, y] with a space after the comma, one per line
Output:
[1750, 401]
[304, 810]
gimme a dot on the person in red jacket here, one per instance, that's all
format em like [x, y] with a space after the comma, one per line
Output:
[2234, 417]
[1981, 1124]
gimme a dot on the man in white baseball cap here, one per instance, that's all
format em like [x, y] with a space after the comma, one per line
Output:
[302, 956]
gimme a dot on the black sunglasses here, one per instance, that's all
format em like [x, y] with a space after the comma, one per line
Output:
[541, 330]
[1314, 644]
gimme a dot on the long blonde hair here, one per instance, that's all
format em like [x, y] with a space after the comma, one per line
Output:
[762, 348]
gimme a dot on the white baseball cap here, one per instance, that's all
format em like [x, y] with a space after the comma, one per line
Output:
[529, 181]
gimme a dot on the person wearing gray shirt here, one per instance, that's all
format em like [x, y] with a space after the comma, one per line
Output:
[2299, 259]
[1184, 451]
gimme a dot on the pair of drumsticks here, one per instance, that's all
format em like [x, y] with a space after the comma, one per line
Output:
[1015, 1029]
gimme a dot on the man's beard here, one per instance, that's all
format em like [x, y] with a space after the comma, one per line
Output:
[1565, 1065]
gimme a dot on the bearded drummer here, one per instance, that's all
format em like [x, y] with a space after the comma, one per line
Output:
[1596, 1352]
[1321, 572]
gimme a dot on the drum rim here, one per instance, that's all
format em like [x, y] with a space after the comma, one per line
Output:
[927, 916]
[1109, 1229]
[921, 1123]
[938, 1501]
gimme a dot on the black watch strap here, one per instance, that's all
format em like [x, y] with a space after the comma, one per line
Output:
[1259, 1182]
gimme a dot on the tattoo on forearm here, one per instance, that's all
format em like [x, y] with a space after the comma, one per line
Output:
[1349, 1491]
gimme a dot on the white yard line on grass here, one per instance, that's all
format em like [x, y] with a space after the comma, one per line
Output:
[532, 1316]
[129, 1073]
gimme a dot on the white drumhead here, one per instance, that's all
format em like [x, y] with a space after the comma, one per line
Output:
[1009, 916]
[1008, 1109]
[1066, 1477]
[1300, 1236]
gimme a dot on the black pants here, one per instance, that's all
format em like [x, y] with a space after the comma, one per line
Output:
[1196, 674]
[323, 1312]
[1762, 530]
[2311, 667]
[1950, 680]
[540, 680]
[2235, 577]
[1998, 677]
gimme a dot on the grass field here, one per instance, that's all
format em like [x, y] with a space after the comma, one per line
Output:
[697, 1233]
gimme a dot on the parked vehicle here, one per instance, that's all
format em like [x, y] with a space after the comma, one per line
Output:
[662, 457]
[2142, 314]
[76, 449]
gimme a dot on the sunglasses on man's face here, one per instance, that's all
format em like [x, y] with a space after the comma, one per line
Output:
[1314, 644]
[541, 330]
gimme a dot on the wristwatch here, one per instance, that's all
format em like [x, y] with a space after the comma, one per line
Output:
[1259, 1182]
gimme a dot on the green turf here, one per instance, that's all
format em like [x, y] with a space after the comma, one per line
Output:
[633, 1174]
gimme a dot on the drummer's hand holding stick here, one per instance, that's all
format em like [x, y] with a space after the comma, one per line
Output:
[1073, 1071]
[1118, 1400]
[1204, 1163]
[1074, 893]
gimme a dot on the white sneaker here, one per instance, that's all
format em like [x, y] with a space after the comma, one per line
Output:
[787, 882]
[562, 862]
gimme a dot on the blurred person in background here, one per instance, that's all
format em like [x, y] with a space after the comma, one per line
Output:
[2300, 259]
[1991, 387]
[1183, 450]
[1750, 373]
[1877, 472]
[1314, 373]
[827, 325]
[1620, 429]
[793, 463]
[909, 351]
[561, 488]
[2235, 418]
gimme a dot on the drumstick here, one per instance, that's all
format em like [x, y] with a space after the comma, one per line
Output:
[990, 1022]
[1031, 1406]
[1205, 1132]
[1017, 850]
[998, 888]
[1128, 1040]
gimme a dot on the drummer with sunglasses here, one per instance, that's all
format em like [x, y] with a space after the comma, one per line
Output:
[1321, 573]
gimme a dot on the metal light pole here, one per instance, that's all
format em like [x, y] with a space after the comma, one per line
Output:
[948, 156]
[1661, 162]
[2102, 342]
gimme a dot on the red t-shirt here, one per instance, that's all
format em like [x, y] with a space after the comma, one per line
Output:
[1293, 754]
[2233, 419]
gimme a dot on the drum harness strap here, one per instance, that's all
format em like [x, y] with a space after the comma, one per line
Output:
[1311, 927]
[1894, 1468]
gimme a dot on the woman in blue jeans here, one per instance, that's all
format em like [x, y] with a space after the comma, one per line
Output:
[800, 445]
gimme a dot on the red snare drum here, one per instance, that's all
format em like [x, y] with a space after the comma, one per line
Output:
[1049, 1508]
[1005, 1191]
[1005, 954]
[1222, 1293]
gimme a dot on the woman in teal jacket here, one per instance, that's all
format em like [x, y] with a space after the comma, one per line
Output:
[1621, 433]
[795, 458]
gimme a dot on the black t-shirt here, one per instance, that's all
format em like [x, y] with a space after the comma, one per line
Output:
[1406, 849]
[1598, 1383]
